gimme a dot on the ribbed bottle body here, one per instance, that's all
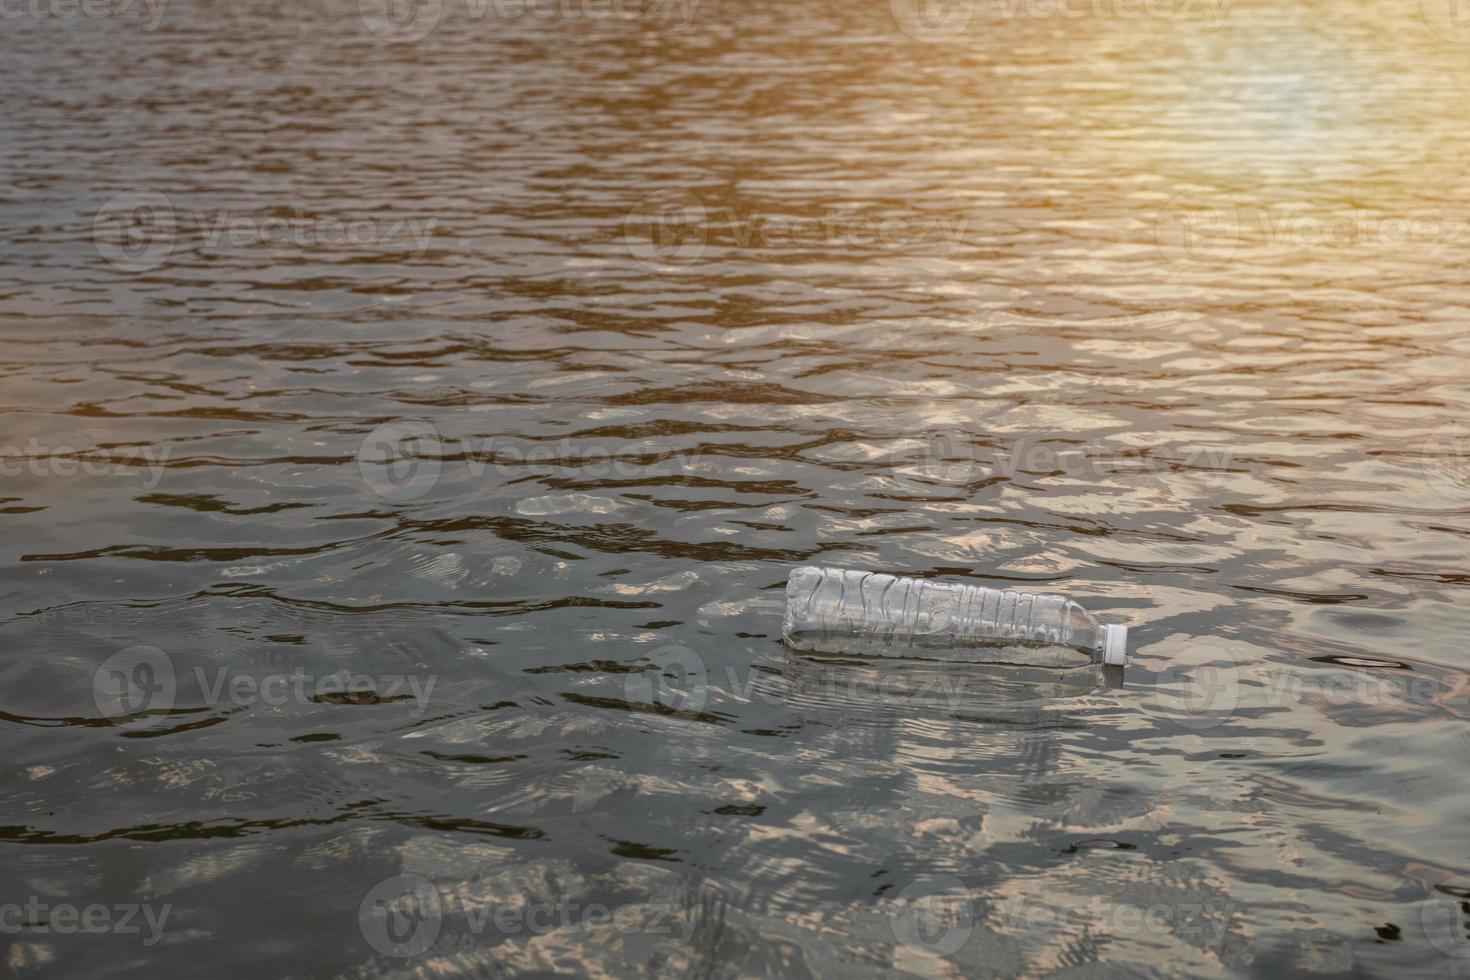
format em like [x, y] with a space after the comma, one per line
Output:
[832, 610]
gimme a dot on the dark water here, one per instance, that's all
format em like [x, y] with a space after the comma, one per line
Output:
[406, 442]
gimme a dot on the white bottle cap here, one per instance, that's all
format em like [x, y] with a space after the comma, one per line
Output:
[1115, 645]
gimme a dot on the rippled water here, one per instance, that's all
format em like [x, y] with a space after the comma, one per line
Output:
[407, 439]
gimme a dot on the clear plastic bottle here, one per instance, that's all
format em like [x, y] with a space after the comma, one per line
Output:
[836, 610]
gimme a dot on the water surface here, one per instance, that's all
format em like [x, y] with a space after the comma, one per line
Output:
[1165, 312]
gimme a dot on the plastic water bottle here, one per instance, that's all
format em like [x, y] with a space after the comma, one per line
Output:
[837, 610]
